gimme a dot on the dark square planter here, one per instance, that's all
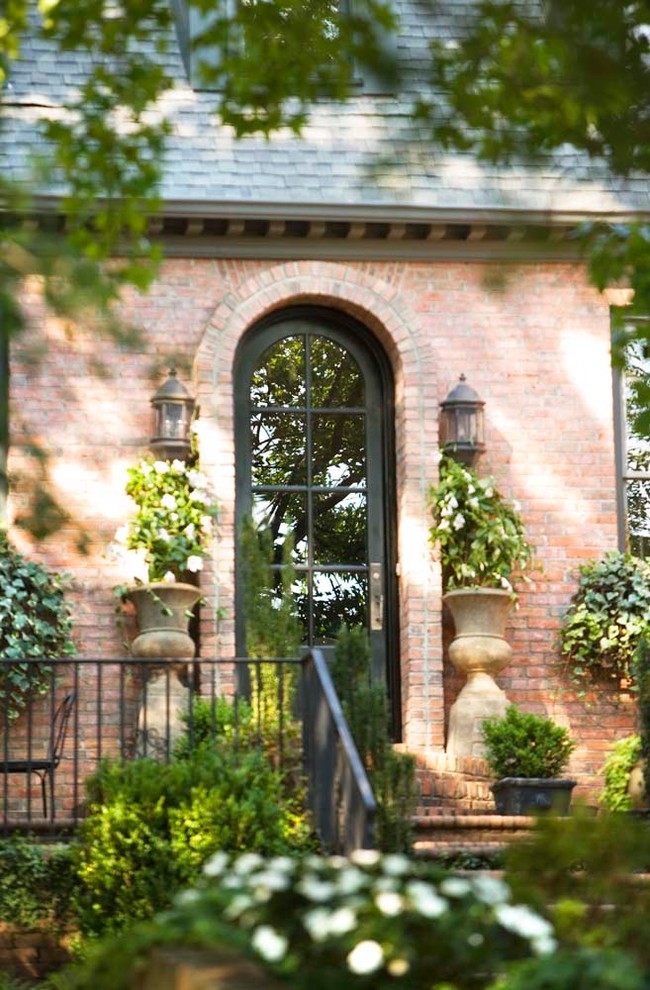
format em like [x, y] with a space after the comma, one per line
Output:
[532, 795]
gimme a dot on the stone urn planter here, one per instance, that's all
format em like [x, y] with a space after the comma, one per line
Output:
[163, 611]
[163, 614]
[480, 651]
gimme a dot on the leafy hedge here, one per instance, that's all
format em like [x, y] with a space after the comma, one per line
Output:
[151, 826]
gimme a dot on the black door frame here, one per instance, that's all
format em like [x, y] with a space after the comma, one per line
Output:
[352, 335]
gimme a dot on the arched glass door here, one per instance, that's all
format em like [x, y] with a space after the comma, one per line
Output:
[314, 463]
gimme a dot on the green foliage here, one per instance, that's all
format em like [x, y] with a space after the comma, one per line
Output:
[480, 534]
[35, 621]
[621, 759]
[581, 873]
[150, 826]
[606, 618]
[174, 519]
[526, 79]
[642, 674]
[36, 883]
[391, 774]
[520, 744]
[370, 921]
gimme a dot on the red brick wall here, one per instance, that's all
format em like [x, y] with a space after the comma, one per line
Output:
[537, 351]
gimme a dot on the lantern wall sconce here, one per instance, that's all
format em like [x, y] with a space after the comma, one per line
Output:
[462, 424]
[172, 416]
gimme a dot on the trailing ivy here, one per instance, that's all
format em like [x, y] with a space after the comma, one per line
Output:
[606, 619]
[35, 622]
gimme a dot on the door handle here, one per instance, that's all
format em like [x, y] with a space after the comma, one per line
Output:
[376, 597]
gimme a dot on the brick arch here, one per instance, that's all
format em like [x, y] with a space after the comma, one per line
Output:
[381, 308]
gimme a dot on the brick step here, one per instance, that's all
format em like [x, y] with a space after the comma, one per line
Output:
[448, 833]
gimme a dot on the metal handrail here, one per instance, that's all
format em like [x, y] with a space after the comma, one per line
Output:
[341, 797]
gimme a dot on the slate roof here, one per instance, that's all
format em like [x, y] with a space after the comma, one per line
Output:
[362, 156]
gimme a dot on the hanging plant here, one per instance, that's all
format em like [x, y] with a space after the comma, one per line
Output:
[174, 519]
[35, 622]
[607, 618]
[479, 532]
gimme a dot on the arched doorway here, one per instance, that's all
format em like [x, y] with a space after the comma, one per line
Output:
[315, 461]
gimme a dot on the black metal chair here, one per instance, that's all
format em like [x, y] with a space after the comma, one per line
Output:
[44, 768]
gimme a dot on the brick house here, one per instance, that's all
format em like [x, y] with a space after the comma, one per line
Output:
[356, 238]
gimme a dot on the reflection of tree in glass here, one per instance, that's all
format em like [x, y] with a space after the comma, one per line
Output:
[637, 380]
[340, 530]
[278, 439]
[338, 598]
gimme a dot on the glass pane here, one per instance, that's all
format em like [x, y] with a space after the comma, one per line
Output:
[339, 597]
[335, 376]
[284, 513]
[279, 379]
[300, 589]
[638, 517]
[339, 450]
[340, 528]
[278, 449]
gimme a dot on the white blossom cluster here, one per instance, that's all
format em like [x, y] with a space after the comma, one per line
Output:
[336, 897]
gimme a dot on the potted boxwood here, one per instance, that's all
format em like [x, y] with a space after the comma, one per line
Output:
[527, 754]
[483, 548]
[172, 528]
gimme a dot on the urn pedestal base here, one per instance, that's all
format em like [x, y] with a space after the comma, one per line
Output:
[480, 651]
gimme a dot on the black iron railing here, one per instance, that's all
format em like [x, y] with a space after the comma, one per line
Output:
[60, 718]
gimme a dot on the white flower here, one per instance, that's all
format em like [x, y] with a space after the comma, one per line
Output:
[490, 890]
[247, 862]
[443, 525]
[161, 467]
[315, 889]
[284, 864]
[398, 967]
[168, 501]
[453, 502]
[425, 900]
[178, 467]
[194, 563]
[470, 489]
[197, 479]
[366, 957]
[121, 534]
[473, 503]
[316, 921]
[162, 534]
[216, 864]
[395, 864]
[206, 524]
[169, 577]
[389, 904]
[459, 521]
[350, 881]
[521, 920]
[489, 492]
[269, 944]
[322, 923]
[190, 531]
[198, 496]
[365, 857]
[455, 886]
[237, 906]
[475, 939]
[270, 879]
